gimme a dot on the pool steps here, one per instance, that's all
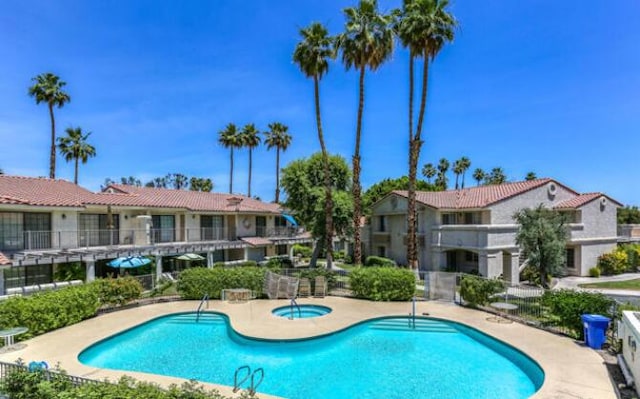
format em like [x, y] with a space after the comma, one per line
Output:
[203, 317]
[406, 324]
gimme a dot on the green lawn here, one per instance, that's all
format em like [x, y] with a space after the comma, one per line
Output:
[616, 285]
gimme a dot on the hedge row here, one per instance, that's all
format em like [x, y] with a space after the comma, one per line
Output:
[194, 283]
[566, 307]
[379, 261]
[383, 283]
[22, 384]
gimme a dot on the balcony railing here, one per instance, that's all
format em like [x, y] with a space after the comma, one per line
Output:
[36, 240]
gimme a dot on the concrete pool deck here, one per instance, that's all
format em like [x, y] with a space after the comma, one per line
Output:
[571, 369]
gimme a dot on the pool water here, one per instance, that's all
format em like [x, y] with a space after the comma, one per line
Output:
[302, 311]
[380, 358]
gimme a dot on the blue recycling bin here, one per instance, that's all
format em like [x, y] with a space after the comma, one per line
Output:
[595, 330]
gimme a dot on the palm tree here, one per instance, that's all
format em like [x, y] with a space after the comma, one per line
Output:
[277, 137]
[457, 170]
[428, 171]
[479, 175]
[366, 43]
[230, 138]
[312, 55]
[496, 176]
[531, 176]
[443, 168]
[465, 164]
[250, 138]
[424, 28]
[48, 89]
[74, 146]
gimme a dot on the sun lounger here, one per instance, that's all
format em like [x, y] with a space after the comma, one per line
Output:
[304, 287]
[320, 289]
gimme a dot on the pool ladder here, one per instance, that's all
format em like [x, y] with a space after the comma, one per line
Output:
[412, 320]
[254, 385]
[292, 304]
[205, 298]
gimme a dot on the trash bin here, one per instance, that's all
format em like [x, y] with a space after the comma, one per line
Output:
[595, 330]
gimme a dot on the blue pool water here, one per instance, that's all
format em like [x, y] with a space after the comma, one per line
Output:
[302, 311]
[380, 358]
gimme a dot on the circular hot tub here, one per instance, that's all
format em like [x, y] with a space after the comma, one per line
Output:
[301, 311]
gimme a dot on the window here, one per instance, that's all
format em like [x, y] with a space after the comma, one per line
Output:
[11, 232]
[471, 256]
[93, 229]
[212, 227]
[163, 228]
[27, 275]
[382, 223]
[449, 218]
[472, 218]
[261, 226]
[37, 227]
[570, 254]
[382, 251]
[281, 250]
[280, 221]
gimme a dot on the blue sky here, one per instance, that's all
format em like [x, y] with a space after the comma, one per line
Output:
[545, 86]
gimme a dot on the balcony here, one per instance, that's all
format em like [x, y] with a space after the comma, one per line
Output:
[275, 232]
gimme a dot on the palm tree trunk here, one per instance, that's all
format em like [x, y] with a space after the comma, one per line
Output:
[231, 172]
[457, 176]
[327, 177]
[413, 170]
[250, 167]
[277, 175]
[463, 179]
[52, 157]
[75, 175]
[356, 189]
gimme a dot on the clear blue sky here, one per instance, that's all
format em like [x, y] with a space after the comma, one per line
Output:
[546, 86]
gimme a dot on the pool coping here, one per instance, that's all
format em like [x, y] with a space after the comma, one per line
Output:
[571, 369]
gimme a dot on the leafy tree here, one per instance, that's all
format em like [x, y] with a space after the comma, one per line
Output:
[250, 138]
[479, 175]
[277, 137]
[180, 181]
[424, 27]
[428, 171]
[200, 184]
[442, 182]
[380, 189]
[303, 182]
[367, 42]
[48, 89]
[629, 215]
[312, 55]
[230, 138]
[542, 235]
[496, 176]
[74, 146]
[530, 176]
[465, 164]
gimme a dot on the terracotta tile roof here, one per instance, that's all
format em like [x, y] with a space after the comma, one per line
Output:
[17, 190]
[475, 197]
[4, 260]
[583, 199]
[256, 241]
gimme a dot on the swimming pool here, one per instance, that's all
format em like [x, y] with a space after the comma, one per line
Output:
[379, 358]
[301, 311]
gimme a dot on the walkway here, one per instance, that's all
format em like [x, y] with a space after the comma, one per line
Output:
[574, 282]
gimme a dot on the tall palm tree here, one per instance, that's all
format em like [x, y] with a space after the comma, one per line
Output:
[48, 89]
[366, 43]
[74, 146]
[479, 175]
[230, 138]
[277, 137]
[465, 164]
[312, 55]
[250, 138]
[428, 171]
[531, 176]
[424, 27]
[457, 170]
[443, 168]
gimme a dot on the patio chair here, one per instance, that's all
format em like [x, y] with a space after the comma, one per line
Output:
[320, 289]
[304, 287]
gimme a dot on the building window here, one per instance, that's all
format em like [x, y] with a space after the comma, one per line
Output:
[382, 251]
[471, 256]
[280, 221]
[382, 223]
[449, 218]
[93, 229]
[27, 275]
[11, 232]
[281, 250]
[212, 227]
[261, 226]
[570, 255]
[163, 228]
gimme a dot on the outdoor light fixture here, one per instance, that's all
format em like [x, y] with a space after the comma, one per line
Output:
[64, 216]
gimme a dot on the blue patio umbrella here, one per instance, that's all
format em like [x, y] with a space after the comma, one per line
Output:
[129, 262]
[290, 219]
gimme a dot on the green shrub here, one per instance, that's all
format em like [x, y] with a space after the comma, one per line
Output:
[278, 263]
[615, 262]
[47, 311]
[246, 263]
[383, 283]
[329, 276]
[633, 256]
[339, 255]
[23, 384]
[69, 271]
[594, 272]
[477, 290]
[566, 306]
[532, 275]
[118, 291]
[193, 283]
[302, 250]
[379, 261]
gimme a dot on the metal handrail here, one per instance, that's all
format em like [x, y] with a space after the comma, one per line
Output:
[252, 389]
[236, 384]
[292, 304]
[204, 298]
[413, 312]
